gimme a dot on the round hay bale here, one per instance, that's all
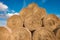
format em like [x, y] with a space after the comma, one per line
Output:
[39, 12]
[21, 34]
[25, 12]
[14, 21]
[43, 34]
[58, 34]
[4, 34]
[36, 10]
[32, 24]
[50, 21]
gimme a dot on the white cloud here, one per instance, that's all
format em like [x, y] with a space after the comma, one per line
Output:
[2, 23]
[11, 14]
[12, 11]
[3, 7]
[58, 16]
[5, 12]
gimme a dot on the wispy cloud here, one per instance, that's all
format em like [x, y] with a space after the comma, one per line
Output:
[5, 13]
[11, 14]
[58, 16]
[3, 10]
[2, 23]
[3, 7]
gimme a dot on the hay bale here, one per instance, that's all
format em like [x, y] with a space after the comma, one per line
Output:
[39, 12]
[51, 21]
[4, 34]
[14, 21]
[36, 10]
[43, 34]
[25, 12]
[32, 24]
[58, 34]
[21, 34]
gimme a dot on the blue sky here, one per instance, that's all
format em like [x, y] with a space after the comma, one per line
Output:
[52, 6]
[10, 7]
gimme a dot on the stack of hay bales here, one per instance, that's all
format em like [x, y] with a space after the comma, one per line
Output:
[18, 31]
[35, 17]
[43, 34]
[32, 23]
[32, 16]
